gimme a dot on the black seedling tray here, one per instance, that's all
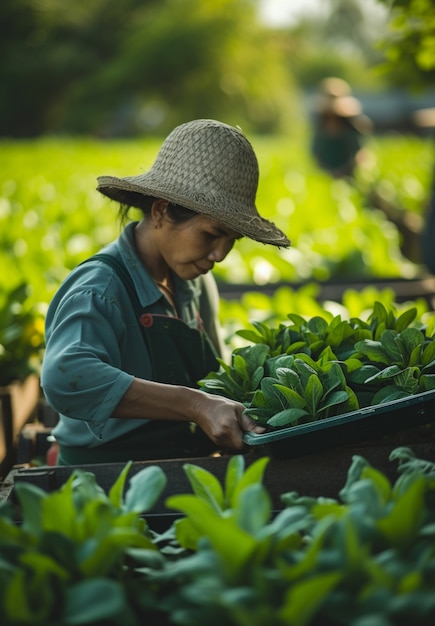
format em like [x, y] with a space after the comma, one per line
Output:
[371, 422]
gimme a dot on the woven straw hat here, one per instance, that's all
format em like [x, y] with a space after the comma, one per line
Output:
[208, 167]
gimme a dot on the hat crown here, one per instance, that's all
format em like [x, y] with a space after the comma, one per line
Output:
[209, 159]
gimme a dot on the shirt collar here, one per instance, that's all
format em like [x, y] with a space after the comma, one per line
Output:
[146, 288]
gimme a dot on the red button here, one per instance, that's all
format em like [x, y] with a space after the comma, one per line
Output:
[146, 320]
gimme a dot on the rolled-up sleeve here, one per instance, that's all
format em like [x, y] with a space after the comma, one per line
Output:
[85, 370]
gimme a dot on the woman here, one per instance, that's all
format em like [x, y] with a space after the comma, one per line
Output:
[128, 334]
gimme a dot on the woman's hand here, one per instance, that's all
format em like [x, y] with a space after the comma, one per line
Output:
[223, 421]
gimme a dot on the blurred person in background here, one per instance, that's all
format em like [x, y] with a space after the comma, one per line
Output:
[132, 330]
[338, 129]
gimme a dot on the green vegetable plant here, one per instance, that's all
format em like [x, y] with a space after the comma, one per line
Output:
[406, 362]
[310, 336]
[68, 561]
[223, 513]
[375, 543]
[301, 390]
[315, 368]
[366, 557]
[241, 378]
[78, 556]
[21, 336]
[280, 340]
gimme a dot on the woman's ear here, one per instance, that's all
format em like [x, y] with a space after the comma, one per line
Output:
[158, 211]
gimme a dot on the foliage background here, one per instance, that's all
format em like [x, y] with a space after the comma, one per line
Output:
[117, 68]
[92, 87]
[51, 216]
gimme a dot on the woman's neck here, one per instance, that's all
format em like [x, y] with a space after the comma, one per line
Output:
[150, 257]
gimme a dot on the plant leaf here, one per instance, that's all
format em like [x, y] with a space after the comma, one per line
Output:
[385, 374]
[428, 353]
[392, 347]
[317, 325]
[273, 396]
[145, 488]
[289, 378]
[233, 545]
[373, 350]
[94, 601]
[240, 367]
[403, 522]
[405, 319]
[363, 374]
[313, 393]
[388, 394]
[234, 472]
[205, 485]
[427, 381]
[415, 356]
[116, 492]
[253, 474]
[286, 417]
[337, 397]
[304, 597]
[253, 508]
[294, 399]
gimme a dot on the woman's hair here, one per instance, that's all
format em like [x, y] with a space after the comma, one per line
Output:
[175, 212]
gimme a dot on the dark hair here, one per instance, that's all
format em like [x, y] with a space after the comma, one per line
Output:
[179, 214]
[175, 212]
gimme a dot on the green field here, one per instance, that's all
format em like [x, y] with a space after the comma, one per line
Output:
[51, 217]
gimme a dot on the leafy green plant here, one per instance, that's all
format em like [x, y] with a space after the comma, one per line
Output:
[68, 562]
[377, 543]
[222, 513]
[309, 335]
[81, 557]
[407, 361]
[279, 340]
[301, 391]
[240, 379]
[324, 366]
[364, 558]
[386, 318]
[319, 333]
[21, 336]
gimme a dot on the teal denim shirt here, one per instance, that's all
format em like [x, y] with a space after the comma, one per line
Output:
[94, 347]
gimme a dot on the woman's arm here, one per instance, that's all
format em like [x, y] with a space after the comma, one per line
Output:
[221, 419]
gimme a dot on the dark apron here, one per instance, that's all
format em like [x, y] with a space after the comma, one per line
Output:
[179, 355]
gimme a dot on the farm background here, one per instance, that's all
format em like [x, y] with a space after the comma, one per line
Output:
[52, 217]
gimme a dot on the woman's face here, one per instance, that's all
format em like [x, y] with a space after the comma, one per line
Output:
[193, 247]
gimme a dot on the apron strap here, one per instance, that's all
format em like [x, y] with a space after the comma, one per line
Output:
[179, 354]
[123, 274]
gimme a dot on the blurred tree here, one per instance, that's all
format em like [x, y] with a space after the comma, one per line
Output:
[336, 41]
[110, 67]
[410, 49]
[409, 44]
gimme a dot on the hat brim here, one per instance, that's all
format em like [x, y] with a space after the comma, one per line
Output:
[130, 192]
